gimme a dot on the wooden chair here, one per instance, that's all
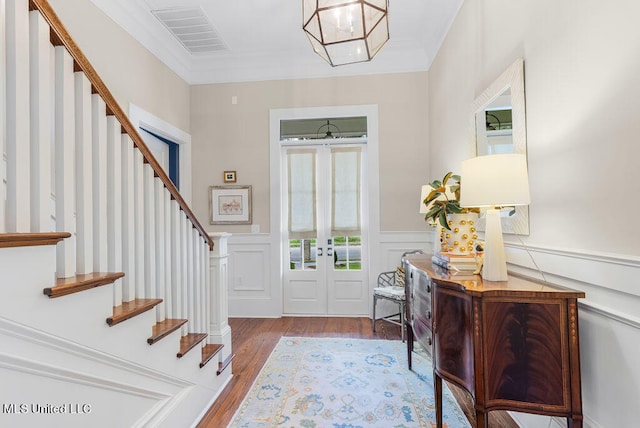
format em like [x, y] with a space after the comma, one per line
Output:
[390, 287]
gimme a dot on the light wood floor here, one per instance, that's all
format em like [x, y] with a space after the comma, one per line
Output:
[254, 338]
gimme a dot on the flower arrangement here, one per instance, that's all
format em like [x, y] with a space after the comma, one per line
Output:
[444, 199]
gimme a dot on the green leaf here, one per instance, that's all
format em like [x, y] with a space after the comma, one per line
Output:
[431, 196]
[446, 178]
[435, 184]
[433, 213]
[457, 193]
[454, 207]
[456, 177]
[443, 220]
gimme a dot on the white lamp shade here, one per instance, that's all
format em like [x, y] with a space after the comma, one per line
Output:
[426, 189]
[494, 180]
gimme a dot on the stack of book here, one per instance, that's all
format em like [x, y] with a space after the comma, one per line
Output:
[455, 262]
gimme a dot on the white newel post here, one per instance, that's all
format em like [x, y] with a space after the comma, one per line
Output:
[219, 330]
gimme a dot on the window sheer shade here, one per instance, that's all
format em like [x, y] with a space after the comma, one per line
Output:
[345, 204]
[302, 193]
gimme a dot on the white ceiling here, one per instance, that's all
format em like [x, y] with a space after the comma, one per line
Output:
[265, 41]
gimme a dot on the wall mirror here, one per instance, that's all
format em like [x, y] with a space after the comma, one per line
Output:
[498, 124]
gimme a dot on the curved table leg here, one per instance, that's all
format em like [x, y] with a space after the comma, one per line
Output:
[437, 388]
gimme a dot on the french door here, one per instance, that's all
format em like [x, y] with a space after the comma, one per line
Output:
[324, 229]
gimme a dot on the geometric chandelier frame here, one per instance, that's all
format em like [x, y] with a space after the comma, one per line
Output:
[346, 31]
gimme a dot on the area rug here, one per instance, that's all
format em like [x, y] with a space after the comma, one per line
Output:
[344, 383]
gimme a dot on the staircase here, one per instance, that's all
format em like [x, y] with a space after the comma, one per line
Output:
[113, 309]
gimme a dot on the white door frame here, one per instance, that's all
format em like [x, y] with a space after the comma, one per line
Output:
[276, 197]
[143, 119]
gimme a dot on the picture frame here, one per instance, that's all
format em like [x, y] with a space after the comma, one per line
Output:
[229, 176]
[230, 205]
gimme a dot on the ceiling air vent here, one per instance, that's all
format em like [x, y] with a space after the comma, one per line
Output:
[192, 28]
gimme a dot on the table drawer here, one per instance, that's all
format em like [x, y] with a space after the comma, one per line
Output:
[423, 335]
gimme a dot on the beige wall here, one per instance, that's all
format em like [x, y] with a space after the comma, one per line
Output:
[582, 101]
[236, 137]
[131, 72]
[583, 107]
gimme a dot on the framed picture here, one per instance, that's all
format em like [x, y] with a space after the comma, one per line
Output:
[230, 204]
[229, 176]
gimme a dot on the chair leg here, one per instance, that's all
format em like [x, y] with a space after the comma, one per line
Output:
[373, 320]
[402, 323]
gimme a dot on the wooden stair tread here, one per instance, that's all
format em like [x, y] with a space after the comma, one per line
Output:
[75, 284]
[209, 351]
[131, 309]
[31, 239]
[223, 364]
[164, 328]
[189, 341]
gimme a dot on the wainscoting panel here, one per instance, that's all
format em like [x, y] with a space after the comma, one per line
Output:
[393, 244]
[248, 270]
[609, 328]
[253, 291]
[609, 281]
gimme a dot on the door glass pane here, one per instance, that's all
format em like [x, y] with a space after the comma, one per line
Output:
[347, 253]
[302, 254]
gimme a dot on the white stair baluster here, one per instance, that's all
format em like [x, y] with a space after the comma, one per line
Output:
[185, 227]
[128, 219]
[160, 247]
[168, 255]
[3, 110]
[193, 326]
[99, 170]
[195, 266]
[176, 259]
[40, 105]
[203, 290]
[18, 205]
[84, 176]
[206, 286]
[138, 226]
[65, 161]
[149, 232]
[114, 202]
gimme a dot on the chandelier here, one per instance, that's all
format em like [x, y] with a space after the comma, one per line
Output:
[346, 31]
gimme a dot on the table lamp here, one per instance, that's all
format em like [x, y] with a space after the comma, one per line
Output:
[492, 182]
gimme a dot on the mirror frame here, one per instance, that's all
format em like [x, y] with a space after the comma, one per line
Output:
[512, 78]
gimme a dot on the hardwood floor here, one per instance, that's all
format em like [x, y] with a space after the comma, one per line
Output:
[254, 338]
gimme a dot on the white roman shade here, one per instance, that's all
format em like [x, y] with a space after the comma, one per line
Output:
[345, 191]
[301, 164]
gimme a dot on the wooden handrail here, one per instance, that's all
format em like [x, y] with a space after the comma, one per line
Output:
[61, 37]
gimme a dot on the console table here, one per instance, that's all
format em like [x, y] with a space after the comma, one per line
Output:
[513, 345]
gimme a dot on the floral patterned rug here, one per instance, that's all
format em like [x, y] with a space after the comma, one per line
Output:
[344, 383]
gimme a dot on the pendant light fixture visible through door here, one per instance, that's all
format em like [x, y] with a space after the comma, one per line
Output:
[346, 31]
